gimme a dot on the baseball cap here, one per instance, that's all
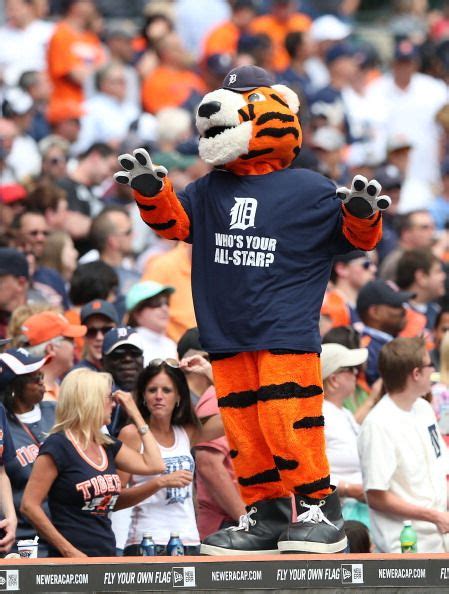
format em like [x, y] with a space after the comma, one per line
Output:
[14, 362]
[350, 256]
[119, 337]
[13, 262]
[219, 64]
[99, 307]
[189, 340]
[329, 28]
[10, 193]
[379, 292]
[341, 50]
[389, 177]
[47, 325]
[405, 50]
[64, 110]
[16, 101]
[143, 291]
[245, 78]
[398, 142]
[334, 356]
[328, 138]
[120, 28]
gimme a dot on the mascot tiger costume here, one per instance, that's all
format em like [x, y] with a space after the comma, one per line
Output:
[263, 239]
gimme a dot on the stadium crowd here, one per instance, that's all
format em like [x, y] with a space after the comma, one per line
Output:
[97, 326]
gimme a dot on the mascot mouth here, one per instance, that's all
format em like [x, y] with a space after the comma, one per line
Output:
[216, 130]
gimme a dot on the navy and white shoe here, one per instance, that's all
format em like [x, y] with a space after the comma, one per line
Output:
[319, 527]
[257, 533]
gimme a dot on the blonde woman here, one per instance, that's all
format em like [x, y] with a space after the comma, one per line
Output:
[77, 467]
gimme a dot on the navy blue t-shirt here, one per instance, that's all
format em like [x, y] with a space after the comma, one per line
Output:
[262, 253]
[7, 451]
[82, 496]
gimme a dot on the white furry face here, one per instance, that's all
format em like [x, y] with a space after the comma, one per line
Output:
[223, 137]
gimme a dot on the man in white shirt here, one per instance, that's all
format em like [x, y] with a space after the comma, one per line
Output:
[407, 102]
[403, 456]
[23, 40]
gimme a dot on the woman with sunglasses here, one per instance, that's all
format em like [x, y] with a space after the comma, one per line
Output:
[147, 304]
[163, 398]
[29, 420]
[77, 467]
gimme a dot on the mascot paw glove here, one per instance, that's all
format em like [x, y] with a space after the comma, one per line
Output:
[363, 199]
[140, 173]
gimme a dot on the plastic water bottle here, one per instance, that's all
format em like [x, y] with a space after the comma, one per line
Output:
[174, 545]
[408, 538]
[147, 546]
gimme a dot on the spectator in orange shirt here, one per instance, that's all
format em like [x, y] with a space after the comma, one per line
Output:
[281, 20]
[74, 52]
[224, 38]
[172, 83]
[349, 273]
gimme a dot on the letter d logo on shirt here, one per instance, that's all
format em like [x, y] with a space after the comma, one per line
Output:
[243, 213]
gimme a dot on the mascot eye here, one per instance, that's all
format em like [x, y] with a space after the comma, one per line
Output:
[256, 97]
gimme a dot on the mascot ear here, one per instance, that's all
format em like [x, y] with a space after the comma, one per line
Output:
[289, 96]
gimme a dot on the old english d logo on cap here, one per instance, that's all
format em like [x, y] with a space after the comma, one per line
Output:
[245, 78]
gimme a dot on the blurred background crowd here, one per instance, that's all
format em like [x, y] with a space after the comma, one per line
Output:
[82, 81]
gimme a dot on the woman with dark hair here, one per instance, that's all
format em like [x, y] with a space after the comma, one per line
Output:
[163, 398]
[29, 420]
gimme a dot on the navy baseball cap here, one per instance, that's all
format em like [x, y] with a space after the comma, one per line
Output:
[13, 262]
[14, 362]
[379, 292]
[340, 50]
[389, 177]
[121, 336]
[99, 307]
[350, 256]
[405, 50]
[245, 78]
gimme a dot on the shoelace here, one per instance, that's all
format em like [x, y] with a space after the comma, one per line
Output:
[245, 521]
[314, 514]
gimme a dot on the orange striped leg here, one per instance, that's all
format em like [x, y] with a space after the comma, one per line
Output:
[290, 401]
[236, 383]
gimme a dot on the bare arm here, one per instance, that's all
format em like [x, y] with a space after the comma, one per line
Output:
[130, 460]
[389, 503]
[9, 524]
[132, 495]
[219, 483]
[36, 491]
[209, 430]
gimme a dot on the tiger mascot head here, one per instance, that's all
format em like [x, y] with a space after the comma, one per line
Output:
[249, 126]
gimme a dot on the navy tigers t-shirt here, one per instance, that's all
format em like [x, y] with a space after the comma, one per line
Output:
[262, 254]
[82, 495]
[6, 445]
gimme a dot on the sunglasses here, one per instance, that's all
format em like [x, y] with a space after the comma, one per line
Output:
[93, 331]
[366, 264]
[353, 370]
[34, 379]
[154, 303]
[426, 365]
[158, 362]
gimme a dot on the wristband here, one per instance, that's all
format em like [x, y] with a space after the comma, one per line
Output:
[143, 430]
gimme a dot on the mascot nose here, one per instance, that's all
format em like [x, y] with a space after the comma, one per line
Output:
[208, 109]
